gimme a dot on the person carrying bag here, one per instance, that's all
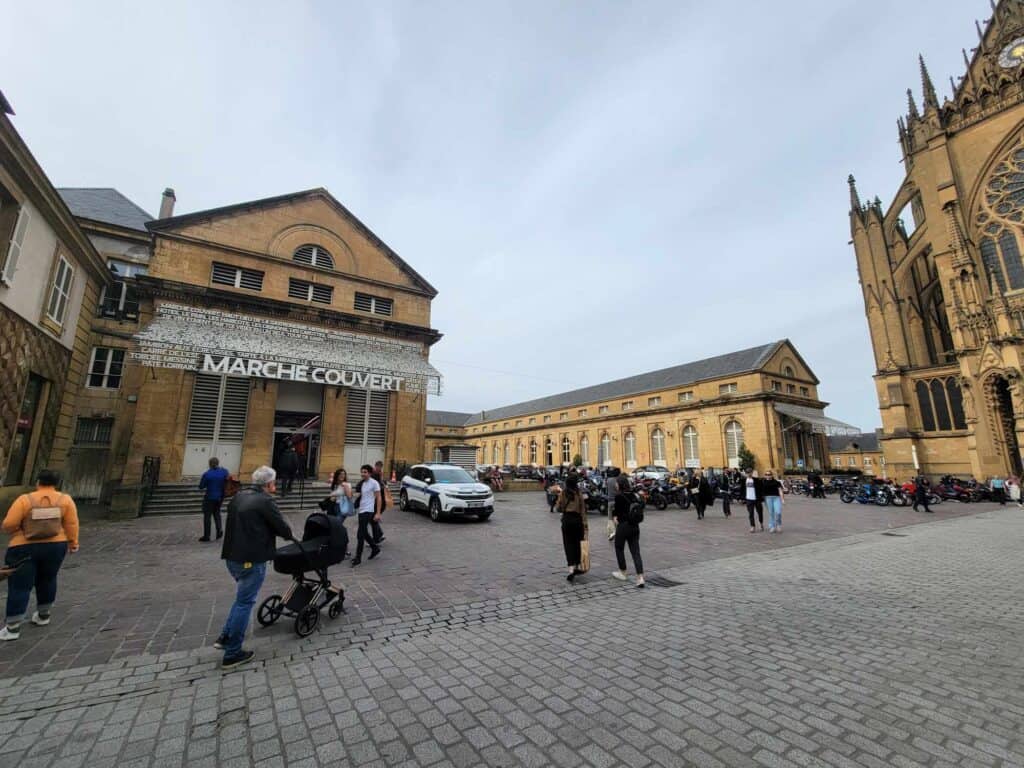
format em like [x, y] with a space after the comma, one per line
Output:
[43, 528]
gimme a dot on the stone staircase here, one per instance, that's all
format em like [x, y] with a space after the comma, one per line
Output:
[186, 498]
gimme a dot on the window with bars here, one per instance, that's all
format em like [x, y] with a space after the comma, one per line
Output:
[314, 256]
[376, 305]
[60, 291]
[93, 431]
[236, 277]
[106, 367]
[306, 291]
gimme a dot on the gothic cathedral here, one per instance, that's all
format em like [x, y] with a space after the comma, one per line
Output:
[941, 269]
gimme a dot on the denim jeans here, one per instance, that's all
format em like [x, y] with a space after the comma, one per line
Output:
[249, 582]
[774, 512]
[39, 573]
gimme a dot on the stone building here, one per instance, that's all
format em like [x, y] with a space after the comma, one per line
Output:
[941, 269]
[50, 280]
[857, 453]
[693, 415]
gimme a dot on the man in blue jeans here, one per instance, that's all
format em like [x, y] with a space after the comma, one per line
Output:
[212, 482]
[250, 532]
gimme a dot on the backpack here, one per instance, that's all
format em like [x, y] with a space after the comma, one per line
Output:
[635, 516]
[43, 522]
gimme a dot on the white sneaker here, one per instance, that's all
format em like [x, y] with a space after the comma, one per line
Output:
[38, 620]
[640, 583]
[7, 634]
[619, 575]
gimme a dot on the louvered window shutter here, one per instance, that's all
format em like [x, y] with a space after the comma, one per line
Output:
[202, 417]
[14, 250]
[234, 410]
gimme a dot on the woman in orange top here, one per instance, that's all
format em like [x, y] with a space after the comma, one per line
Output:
[36, 552]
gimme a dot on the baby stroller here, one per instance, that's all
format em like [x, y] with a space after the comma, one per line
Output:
[324, 543]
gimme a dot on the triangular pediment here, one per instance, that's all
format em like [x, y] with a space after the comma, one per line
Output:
[277, 226]
[990, 358]
[784, 357]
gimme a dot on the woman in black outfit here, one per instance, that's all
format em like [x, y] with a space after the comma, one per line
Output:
[627, 531]
[700, 491]
[574, 524]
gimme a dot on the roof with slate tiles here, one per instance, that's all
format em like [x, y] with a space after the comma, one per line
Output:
[865, 441]
[105, 205]
[447, 418]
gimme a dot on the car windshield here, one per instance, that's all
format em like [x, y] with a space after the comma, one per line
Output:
[452, 475]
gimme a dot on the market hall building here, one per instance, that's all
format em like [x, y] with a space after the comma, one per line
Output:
[283, 320]
[699, 414]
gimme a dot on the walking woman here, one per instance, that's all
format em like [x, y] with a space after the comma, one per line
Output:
[627, 531]
[43, 526]
[774, 498]
[753, 494]
[574, 525]
[700, 491]
[341, 492]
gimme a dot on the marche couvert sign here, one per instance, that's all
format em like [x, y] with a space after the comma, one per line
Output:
[270, 369]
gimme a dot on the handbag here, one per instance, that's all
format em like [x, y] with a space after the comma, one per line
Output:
[345, 507]
[231, 486]
[584, 556]
[43, 522]
[327, 504]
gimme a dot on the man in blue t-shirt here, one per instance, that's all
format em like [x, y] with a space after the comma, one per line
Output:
[213, 481]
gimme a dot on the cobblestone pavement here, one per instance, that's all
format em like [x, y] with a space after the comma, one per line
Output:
[147, 586]
[889, 648]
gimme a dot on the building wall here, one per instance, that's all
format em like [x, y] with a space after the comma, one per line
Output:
[867, 462]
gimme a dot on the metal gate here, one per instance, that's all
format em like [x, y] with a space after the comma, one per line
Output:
[216, 423]
[366, 428]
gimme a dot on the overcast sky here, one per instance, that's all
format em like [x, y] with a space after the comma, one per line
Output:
[596, 189]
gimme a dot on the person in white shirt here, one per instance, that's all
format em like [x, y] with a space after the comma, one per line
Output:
[368, 508]
[753, 494]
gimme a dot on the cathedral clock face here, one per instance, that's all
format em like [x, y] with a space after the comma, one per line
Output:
[1013, 54]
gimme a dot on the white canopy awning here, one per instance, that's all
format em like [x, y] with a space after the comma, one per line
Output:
[180, 336]
[816, 419]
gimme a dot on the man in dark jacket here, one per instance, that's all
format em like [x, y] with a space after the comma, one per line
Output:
[250, 532]
[289, 464]
[212, 484]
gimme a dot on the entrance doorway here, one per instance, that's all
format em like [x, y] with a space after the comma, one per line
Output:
[1001, 399]
[297, 423]
[26, 432]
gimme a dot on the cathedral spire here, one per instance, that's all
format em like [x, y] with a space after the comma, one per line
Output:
[912, 112]
[930, 99]
[854, 197]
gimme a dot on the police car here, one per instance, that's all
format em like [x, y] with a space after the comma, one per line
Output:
[445, 490]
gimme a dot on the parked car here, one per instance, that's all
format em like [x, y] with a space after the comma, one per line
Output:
[651, 472]
[445, 490]
[526, 472]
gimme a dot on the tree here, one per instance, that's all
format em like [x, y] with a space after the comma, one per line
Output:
[746, 457]
[577, 460]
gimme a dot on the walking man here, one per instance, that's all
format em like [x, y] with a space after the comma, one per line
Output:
[213, 481]
[368, 510]
[921, 490]
[289, 464]
[378, 475]
[249, 542]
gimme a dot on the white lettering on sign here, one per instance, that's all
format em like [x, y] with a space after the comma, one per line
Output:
[268, 369]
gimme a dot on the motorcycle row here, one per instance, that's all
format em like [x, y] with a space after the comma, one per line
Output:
[645, 491]
[886, 492]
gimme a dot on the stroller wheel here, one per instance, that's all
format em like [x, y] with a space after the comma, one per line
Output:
[307, 621]
[337, 607]
[270, 610]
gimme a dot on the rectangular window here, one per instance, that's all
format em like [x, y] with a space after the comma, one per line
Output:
[776, 386]
[653, 401]
[601, 409]
[505, 425]
[627, 405]
[853, 461]
[728, 389]
[582, 413]
[378, 305]
[14, 248]
[563, 416]
[547, 419]
[236, 277]
[93, 431]
[837, 461]
[685, 397]
[106, 367]
[867, 461]
[533, 419]
[519, 422]
[805, 391]
[60, 292]
[306, 291]
[790, 389]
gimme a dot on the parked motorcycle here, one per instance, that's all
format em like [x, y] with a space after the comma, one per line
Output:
[867, 493]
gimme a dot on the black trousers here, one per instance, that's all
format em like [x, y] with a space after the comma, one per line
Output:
[922, 501]
[751, 507]
[378, 532]
[211, 510]
[700, 505]
[572, 535]
[286, 484]
[725, 504]
[363, 534]
[627, 533]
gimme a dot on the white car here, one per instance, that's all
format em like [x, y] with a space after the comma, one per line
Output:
[651, 472]
[445, 490]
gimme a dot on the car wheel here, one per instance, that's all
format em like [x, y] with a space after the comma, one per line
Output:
[435, 509]
[403, 501]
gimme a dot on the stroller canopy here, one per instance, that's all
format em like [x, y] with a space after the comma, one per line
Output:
[321, 526]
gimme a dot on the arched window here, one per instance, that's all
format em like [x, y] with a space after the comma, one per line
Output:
[314, 256]
[505, 453]
[956, 403]
[604, 451]
[630, 447]
[483, 455]
[941, 404]
[788, 371]
[533, 451]
[691, 447]
[1000, 218]
[437, 455]
[519, 453]
[585, 450]
[733, 441]
[549, 451]
[494, 454]
[566, 450]
[939, 401]
[658, 447]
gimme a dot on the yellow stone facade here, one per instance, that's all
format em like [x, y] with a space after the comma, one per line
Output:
[941, 270]
[658, 426]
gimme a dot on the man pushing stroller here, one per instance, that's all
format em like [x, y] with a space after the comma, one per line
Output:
[252, 524]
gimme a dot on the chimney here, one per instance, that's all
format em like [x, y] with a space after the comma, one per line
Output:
[167, 204]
